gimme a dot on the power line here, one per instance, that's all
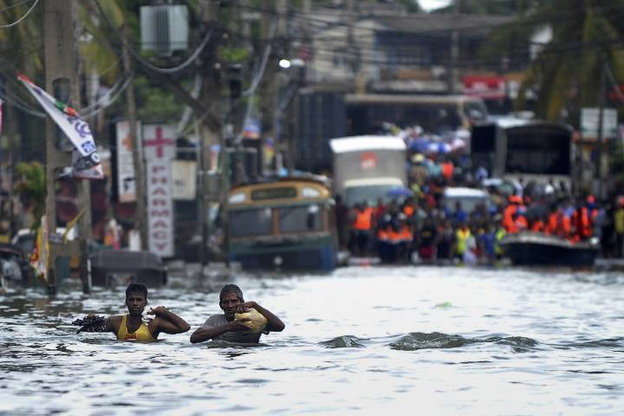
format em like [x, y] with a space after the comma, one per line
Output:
[21, 18]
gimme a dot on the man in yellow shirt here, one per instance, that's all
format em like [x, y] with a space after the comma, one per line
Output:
[130, 326]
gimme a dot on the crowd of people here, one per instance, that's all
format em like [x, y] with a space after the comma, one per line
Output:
[422, 228]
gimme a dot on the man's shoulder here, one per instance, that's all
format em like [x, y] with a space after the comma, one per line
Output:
[216, 320]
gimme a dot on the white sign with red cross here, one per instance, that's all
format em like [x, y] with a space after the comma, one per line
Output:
[159, 149]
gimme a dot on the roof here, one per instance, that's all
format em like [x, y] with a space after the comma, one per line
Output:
[465, 192]
[443, 23]
[409, 99]
[359, 143]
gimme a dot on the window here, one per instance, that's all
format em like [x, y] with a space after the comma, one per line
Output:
[300, 219]
[251, 222]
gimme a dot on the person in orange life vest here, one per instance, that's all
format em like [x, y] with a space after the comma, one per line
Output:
[401, 237]
[519, 223]
[537, 225]
[130, 327]
[559, 223]
[409, 209]
[551, 220]
[586, 218]
[446, 168]
[511, 208]
[363, 224]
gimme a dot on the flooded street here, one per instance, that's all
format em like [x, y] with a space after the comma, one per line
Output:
[438, 341]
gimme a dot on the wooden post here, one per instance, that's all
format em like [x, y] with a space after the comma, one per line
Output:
[60, 75]
[140, 214]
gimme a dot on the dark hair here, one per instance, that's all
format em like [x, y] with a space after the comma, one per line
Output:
[230, 288]
[136, 287]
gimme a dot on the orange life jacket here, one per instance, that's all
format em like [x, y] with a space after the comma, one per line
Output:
[363, 220]
[408, 210]
[538, 225]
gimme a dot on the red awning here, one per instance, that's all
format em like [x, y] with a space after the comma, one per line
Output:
[485, 86]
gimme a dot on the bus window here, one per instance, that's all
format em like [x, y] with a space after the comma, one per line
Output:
[300, 219]
[250, 222]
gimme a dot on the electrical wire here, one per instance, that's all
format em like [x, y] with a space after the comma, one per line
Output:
[21, 18]
[148, 64]
[265, 57]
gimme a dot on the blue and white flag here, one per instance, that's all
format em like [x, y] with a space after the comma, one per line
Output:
[76, 129]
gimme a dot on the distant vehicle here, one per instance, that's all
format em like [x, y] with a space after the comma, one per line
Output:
[15, 265]
[368, 168]
[531, 150]
[110, 268]
[287, 223]
[469, 198]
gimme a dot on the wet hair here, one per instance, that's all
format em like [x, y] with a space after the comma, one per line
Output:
[136, 287]
[230, 288]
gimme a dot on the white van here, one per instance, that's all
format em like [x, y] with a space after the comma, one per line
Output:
[468, 197]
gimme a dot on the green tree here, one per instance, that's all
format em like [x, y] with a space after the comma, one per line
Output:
[31, 188]
[566, 72]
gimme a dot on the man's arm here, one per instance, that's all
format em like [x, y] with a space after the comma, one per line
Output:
[167, 322]
[274, 323]
[204, 332]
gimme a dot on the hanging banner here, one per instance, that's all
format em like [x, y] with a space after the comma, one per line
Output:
[71, 124]
[126, 185]
[159, 148]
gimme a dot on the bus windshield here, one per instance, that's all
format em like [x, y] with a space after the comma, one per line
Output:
[300, 219]
[250, 222]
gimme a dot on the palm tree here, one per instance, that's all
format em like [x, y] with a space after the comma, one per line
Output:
[566, 72]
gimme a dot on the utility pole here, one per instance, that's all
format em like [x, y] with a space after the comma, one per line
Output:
[140, 214]
[268, 85]
[211, 98]
[60, 75]
[454, 56]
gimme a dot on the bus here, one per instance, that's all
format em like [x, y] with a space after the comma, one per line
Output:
[528, 150]
[286, 223]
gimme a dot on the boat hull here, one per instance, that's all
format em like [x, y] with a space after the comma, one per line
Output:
[536, 249]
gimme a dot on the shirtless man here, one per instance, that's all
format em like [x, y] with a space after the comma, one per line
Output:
[226, 327]
[130, 326]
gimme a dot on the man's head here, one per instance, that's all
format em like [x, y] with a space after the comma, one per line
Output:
[230, 298]
[136, 298]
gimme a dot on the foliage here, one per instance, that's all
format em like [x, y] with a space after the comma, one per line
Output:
[566, 72]
[31, 188]
[233, 55]
[155, 104]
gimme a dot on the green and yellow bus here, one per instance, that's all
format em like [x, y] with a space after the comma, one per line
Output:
[288, 223]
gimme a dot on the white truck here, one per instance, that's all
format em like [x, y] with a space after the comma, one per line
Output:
[367, 168]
